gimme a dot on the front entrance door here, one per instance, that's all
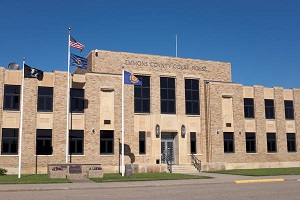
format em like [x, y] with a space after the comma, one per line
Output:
[167, 147]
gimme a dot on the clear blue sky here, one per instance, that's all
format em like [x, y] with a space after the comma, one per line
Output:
[260, 38]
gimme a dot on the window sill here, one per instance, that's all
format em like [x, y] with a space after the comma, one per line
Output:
[142, 113]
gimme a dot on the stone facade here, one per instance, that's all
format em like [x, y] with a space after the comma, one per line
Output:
[221, 103]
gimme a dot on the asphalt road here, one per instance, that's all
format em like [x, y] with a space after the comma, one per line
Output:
[272, 190]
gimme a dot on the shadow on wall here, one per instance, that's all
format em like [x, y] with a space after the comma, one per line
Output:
[127, 152]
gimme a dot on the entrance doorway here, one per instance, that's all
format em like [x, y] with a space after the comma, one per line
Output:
[167, 147]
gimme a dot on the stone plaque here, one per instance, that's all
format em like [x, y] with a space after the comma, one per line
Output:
[75, 169]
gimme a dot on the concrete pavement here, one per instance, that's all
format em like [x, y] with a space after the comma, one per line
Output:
[87, 184]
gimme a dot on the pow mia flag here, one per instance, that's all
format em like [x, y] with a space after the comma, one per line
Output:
[30, 72]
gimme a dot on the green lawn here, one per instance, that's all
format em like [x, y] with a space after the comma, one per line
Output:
[30, 179]
[146, 177]
[43, 178]
[262, 171]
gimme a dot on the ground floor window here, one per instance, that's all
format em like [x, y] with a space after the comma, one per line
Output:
[106, 142]
[9, 141]
[250, 143]
[271, 142]
[43, 142]
[76, 142]
[142, 142]
[291, 142]
[228, 142]
[193, 142]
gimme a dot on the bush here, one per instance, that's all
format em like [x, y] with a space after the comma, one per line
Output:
[3, 171]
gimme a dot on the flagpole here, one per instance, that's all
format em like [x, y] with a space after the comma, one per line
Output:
[21, 122]
[122, 167]
[176, 45]
[68, 100]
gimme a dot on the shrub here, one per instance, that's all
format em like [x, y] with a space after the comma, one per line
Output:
[3, 171]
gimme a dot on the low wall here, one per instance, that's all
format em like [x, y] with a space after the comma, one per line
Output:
[74, 170]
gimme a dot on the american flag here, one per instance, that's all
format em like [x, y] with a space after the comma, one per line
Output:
[75, 44]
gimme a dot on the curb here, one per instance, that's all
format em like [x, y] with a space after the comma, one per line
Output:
[259, 181]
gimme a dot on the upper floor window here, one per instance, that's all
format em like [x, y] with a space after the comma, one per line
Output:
[289, 109]
[77, 100]
[167, 95]
[192, 97]
[45, 99]
[142, 95]
[11, 97]
[249, 107]
[269, 109]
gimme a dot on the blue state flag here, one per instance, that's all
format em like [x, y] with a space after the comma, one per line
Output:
[131, 79]
[78, 61]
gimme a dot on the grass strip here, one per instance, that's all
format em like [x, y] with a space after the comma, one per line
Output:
[146, 177]
[261, 171]
[30, 179]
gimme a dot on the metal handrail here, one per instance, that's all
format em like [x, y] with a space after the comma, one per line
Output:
[196, 162]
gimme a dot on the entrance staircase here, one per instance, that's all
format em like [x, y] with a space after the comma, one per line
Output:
[184, 169]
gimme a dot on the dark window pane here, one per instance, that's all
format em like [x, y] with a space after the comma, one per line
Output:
[193, 142]
[76, 140]
[228, 142]
[9, 141]
[106, 142]
[142, 95]
[11, 97]
[142, 142]
[291, 142]
[289, 109]
[77, 100]
[192, 97]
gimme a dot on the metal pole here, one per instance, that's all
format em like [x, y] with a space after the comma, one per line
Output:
[21, 122]
[68, 100]
[122, 167]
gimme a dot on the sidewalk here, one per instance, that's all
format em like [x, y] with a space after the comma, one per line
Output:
[217, 179]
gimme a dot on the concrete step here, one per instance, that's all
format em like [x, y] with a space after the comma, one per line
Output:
[184, 169]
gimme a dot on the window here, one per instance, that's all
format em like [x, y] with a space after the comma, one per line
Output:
[289, 109]
[77, 100]
[250, 143]
[228, 142]
[291, 142]
[249, 107]
[193, 142]
[11, 97]
[192, 97]
[45, 99]
[167, 95]
[142, 95]
[9, 141]
[43, 142]
[106, 142]
[271, 142]
[269, 109]
[76, 142]
[142, 142]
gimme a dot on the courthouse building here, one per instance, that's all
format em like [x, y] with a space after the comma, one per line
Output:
[185, 109]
